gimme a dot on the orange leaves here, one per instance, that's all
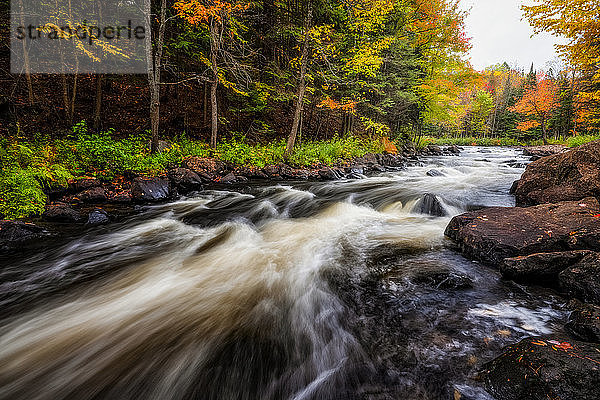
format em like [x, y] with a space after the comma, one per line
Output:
[388, 146]
[536, 104]
[331, 104]
[197, 12]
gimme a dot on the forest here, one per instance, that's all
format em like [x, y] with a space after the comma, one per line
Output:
[260, 82]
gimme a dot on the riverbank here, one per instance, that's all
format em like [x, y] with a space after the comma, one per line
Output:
[572, 141]
[551, 239]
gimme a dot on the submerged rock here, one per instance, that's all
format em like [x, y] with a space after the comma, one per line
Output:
[545, 368]
[98, 217]
[435, 172]
[61, 212]
[582, 281]
[430, 204]
[13, 234]
[150, 190]
[493, 234]
[568, 176]
[540, 268]
[330, 174]
[584, 322]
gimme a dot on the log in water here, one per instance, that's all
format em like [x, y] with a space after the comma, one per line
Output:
[340, 290]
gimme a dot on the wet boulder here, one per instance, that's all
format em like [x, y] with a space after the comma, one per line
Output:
[80, 185]
[13, 234]
[61, 212]
[330, 174]
[150, 190]
[584, 321]
[229, 178]
[567, 176]
[430, 204]
[454, 149]
[493, 234]
[98, 217]
[185, 180]
[545, 368]
[441, 278]
[537, 152]
[582, 281]
[435, 172]
[93, 195]
[540, 268]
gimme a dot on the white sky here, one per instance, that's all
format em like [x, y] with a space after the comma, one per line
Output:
[499, 35]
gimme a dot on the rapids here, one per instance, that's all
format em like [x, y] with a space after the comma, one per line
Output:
[338, 290]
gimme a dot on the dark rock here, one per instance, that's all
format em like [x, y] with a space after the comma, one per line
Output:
[98, 217]
[61, 212]
[229, 178]
[442, 279]
[584, 322]
[93, 195]
[435, 172]
[150, 190]
[121, 197]
[330, 174]
[545, 368]
[13, 234]
[185, 180]
[272, 170]
[356, 169]
[433, 150]
[582, 281]
[514, 186]
[84, 184]
[452, 149]
[430, 204]
[544, 151]
[493, 234]
[368, 159]
[252, 173]
[241, 178]
[567, 176]
[486, 151]
[541, 268]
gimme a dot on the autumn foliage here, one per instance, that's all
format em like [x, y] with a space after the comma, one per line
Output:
[536, 105]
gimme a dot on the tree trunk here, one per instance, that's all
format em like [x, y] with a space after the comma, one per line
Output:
[301, 86]
[214, 48]
[154, 59]
[26, 59]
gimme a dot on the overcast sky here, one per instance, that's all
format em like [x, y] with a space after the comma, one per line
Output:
[499, 35]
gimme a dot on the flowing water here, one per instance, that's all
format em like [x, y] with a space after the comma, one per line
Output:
[341, 290]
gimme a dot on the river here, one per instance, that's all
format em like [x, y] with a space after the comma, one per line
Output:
[309, 290]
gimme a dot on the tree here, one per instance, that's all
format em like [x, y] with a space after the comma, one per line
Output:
[301, 83]
[536, 106]
[579, 22]
[218, 16]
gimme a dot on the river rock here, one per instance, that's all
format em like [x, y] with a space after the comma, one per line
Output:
[98, 217]
[330, 174]
[229, 178]
[84, 184]
[150, 190]
[454, 149]
[545, 368]
[14, 233]
[493, 234]
[584, 321]
[435, 172]
[430, 204]
[61, 212]
[571, 175]
[185, 180]
[582, 281]
[540, 268]
[93, 195]
[537, 152]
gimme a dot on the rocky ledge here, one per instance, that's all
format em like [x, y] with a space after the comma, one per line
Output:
[552, 239]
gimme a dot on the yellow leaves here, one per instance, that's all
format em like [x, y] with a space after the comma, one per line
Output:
[197, 12]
